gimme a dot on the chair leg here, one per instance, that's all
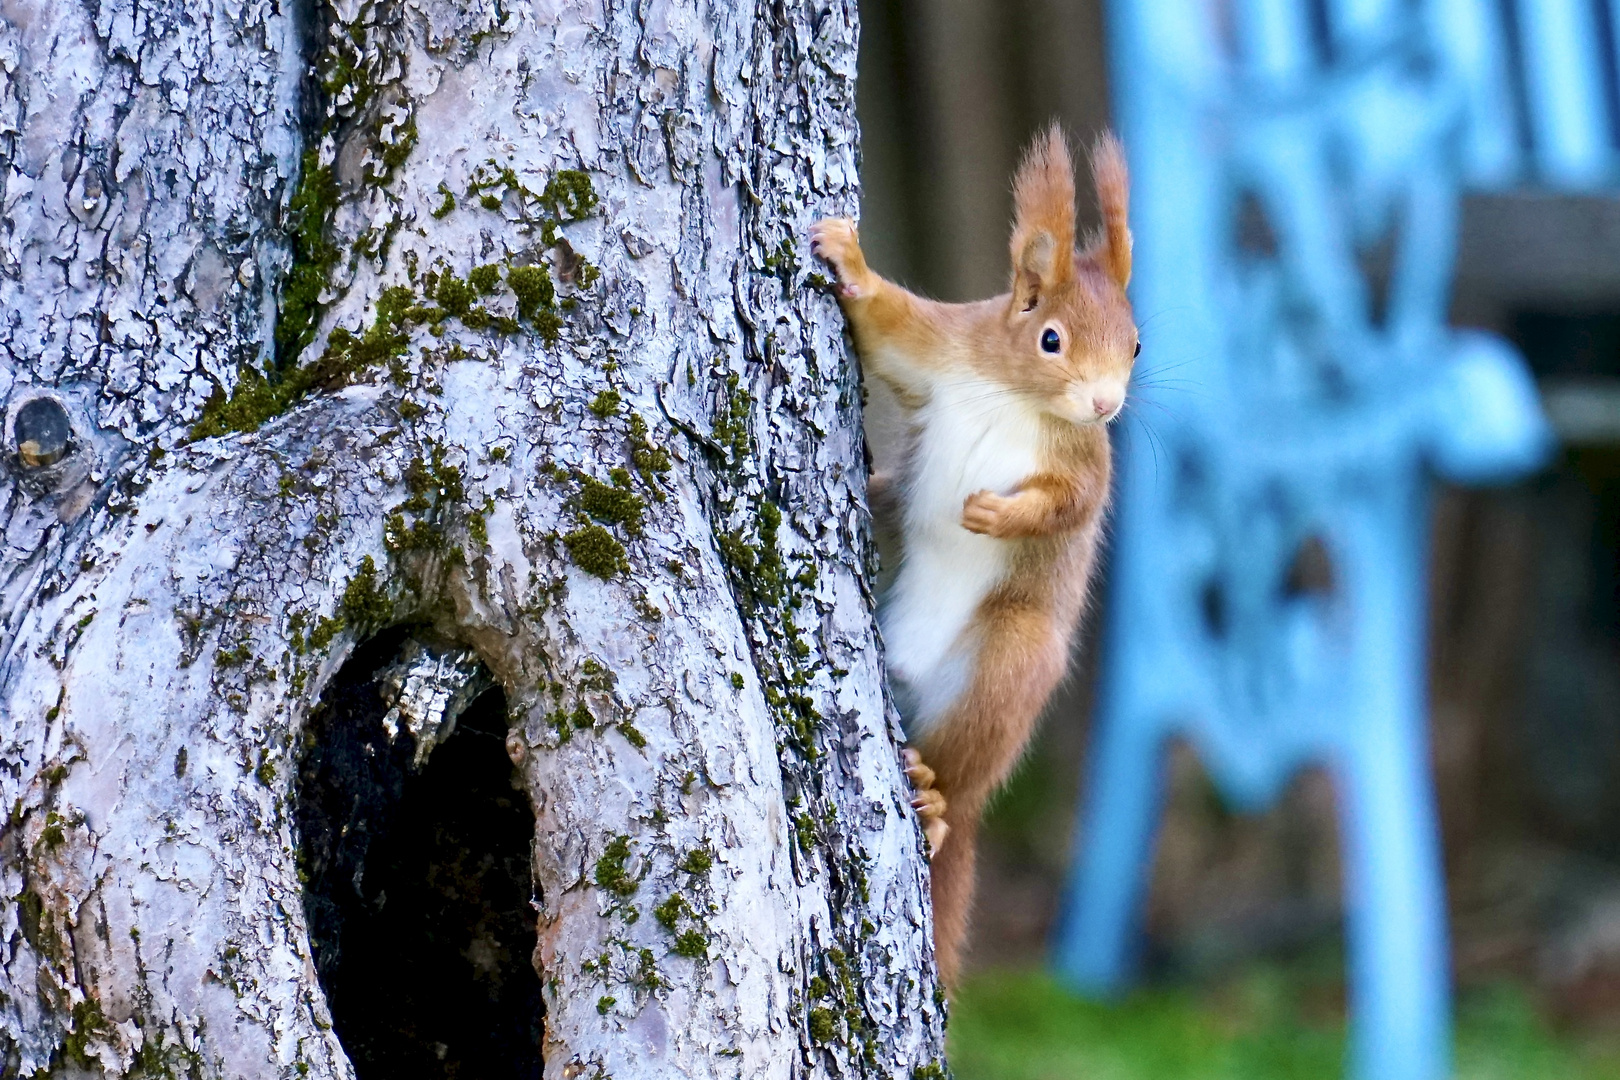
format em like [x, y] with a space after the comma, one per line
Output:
[1395, 915]
[1095, 944]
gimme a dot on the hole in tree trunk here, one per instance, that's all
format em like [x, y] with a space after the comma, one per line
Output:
[417, 880]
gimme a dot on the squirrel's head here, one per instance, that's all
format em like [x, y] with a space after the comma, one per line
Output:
[1073, 337]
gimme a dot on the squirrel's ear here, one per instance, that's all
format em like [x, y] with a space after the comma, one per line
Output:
[1043, 231]
[1111, 247]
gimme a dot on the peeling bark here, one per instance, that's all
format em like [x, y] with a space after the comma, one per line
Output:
[493, 319]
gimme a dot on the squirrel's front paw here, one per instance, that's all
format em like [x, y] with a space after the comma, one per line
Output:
[835, 240]
[986, 512]
[926, 801]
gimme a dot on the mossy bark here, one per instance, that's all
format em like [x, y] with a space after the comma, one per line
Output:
[494, 319]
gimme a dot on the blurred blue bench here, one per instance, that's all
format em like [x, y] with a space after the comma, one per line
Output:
[1297, 166]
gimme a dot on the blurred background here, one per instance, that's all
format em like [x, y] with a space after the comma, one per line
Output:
[1244, 973]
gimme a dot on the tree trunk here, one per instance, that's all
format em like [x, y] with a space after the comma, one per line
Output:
[359, 354]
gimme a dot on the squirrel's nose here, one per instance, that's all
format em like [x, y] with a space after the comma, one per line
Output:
[1105, 404]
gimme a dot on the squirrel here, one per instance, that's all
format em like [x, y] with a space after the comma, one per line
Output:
[1001, 492]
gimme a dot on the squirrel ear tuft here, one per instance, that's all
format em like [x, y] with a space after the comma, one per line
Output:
[1111, 247]
[1043, 229]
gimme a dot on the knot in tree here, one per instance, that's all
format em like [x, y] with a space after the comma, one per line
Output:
[41, 433]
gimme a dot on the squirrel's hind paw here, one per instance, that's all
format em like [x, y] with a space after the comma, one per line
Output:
[927, 801]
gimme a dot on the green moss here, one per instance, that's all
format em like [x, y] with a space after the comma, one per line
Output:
[611, 873]
[30, 914]
[697, 861]
[233, 657]
[596, 676]
[604, 1003]
[633, 735]
[433, 480]
[738, 553]
[443, 209]
[53, 835]
[89, 1025]
[454, 295]
[253, 401]
[737, 681]
[341, 75]
[364, 603]
[669, 912]
[823, 1025]
[804, 828]
[435, 487]
[731, 420]
[309, 210]
[569, 195]
[613, 504]
[784, 260]
[325, 630]
[649, 460]
[759, 567]
[561, 722]
[258, 397]
[647, 973]
[691, 944]
[266, 771]
[548, 324]
[394, 154]
[772, 575]
[595, 551]
[932, 1071]
[605, 404]
[533, 288]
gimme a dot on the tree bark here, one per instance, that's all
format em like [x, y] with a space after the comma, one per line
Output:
[490, 319]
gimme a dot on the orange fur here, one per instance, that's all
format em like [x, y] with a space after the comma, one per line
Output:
[1111, 247]
[1043, 224]
[1045, 527]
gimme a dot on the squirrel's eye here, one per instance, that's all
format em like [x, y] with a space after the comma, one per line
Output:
[1050, 340]
[1138, 351]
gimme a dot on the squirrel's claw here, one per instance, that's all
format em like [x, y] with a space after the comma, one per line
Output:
[921, 775]
[836, 240]
[927, 801]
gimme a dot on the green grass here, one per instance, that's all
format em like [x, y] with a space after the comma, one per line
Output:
[1267, 1024]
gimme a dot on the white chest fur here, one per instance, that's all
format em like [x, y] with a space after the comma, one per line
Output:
[972, 436]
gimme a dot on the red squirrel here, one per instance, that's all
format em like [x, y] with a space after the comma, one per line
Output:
[1001, 491]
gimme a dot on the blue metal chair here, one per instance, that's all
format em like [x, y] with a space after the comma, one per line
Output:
[1272, 155]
